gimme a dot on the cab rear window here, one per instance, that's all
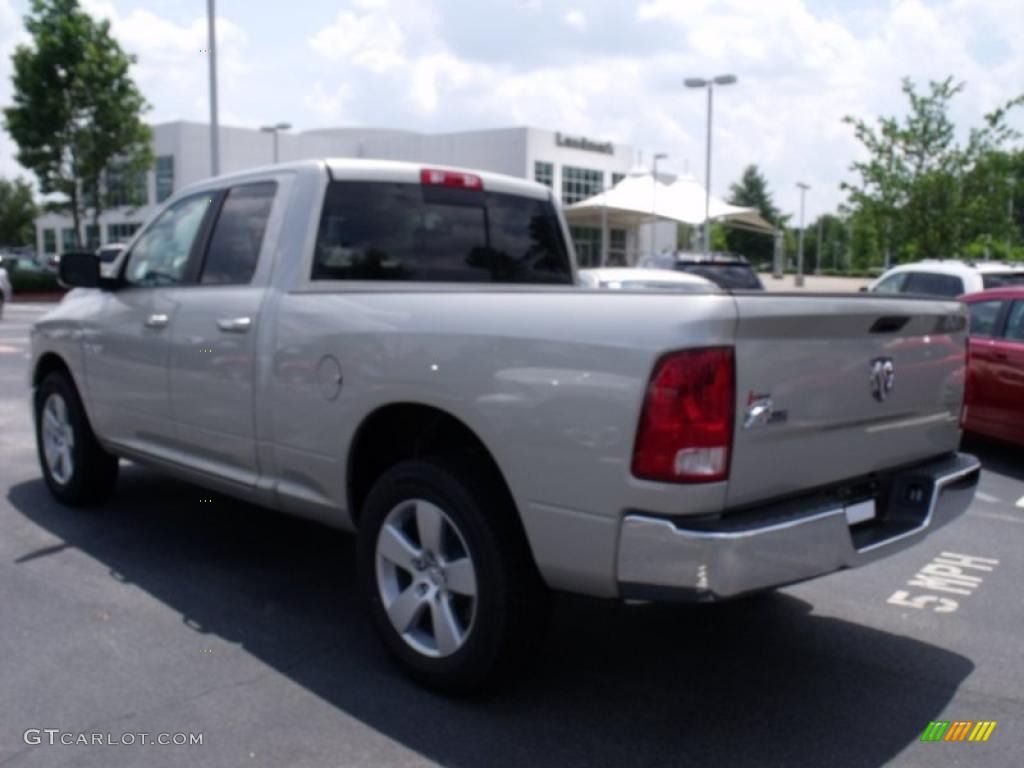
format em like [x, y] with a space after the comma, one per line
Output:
[411, 232]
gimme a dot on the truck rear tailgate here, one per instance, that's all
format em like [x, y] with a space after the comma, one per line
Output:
[835, 387]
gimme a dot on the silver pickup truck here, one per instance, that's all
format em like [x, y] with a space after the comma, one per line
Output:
[404, 352]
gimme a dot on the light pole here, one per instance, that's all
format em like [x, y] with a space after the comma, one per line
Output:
[1010, 182]
[699, 82]
[799, 282]
[654, 200]
[275, 129]
[214, 127]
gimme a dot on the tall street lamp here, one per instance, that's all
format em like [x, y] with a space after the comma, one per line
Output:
[799, 282]
[275, 129]
[654, 200]
[214, 127]
[699, 82]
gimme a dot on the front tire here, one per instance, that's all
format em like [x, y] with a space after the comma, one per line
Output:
[75, 467]
[446, 572]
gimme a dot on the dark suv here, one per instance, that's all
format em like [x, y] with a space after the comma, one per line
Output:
[726, 270]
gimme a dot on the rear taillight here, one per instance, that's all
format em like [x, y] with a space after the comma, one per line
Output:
[685, 432]
[440, 178]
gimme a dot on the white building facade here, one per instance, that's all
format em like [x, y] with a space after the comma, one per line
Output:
[575, 167]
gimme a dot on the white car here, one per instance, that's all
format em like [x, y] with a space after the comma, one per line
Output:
[5, 290]
[948, 277]
[639, 279]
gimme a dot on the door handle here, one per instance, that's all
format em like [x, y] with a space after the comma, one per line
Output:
[1000, 356]
[156, 321]
[234, 324]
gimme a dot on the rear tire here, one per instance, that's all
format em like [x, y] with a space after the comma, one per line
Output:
[75, 467]
[447, 574]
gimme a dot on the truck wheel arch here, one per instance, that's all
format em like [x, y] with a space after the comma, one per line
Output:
[49, 363]
[422, 430]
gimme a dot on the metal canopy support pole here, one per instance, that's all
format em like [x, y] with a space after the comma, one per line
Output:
[214, 126]
[604, 227]
[777, 256]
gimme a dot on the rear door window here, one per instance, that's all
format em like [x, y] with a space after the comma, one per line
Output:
[411, 232]
[984, 315]
[934, 284]
[238, 234]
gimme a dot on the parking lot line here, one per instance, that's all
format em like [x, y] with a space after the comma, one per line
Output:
[997, 516]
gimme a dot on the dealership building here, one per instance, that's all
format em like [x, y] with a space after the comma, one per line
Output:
[575, 167]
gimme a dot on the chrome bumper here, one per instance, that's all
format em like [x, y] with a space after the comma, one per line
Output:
[664, 559]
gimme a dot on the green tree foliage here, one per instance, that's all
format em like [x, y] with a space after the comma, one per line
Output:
[928, 195]
[76, 111]
[18, 212]
[752, 191]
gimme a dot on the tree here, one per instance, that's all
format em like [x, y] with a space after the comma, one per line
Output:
[918, 184]
[76, 112]
[18, 212]
[752, 191]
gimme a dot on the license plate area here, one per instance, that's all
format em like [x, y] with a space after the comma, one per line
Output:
[860, 512]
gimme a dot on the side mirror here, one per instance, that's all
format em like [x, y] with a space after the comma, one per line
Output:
[78, 269]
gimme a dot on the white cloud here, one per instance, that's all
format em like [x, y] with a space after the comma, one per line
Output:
[370, 40]
[575, 19]
[459, 65]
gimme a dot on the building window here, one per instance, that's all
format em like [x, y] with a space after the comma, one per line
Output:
[68, 239]
[544, 173]
[164, 177]
[49, 241]
[617, 248]
[588, 245]
[120, 233]
[580, 183]
[125, 187]
[617, 177]
[92, 237]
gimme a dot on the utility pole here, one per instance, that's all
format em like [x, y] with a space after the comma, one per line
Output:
[1009, 215]
[799, 281]
[214, 126]
[700, 82]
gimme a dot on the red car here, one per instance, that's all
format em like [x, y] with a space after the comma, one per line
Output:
[995, 369]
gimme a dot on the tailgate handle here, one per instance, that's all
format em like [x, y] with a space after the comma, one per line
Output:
[889, 324]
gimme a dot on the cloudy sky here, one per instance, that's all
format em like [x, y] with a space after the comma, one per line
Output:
[609, 70]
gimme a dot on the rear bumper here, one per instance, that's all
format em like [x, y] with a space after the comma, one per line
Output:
[670, 559]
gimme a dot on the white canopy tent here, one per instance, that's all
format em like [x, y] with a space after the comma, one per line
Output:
[639, 199]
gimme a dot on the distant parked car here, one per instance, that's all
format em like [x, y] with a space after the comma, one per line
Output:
[638, 279]
[107, 254]
[726, 270]
[948, 277]
[994, 403]
[5, 290]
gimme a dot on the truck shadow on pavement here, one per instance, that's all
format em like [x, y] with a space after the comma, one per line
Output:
[1001, 458]
[757, 682]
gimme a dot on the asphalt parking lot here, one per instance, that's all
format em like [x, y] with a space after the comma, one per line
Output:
[159, 613]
